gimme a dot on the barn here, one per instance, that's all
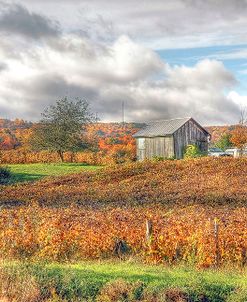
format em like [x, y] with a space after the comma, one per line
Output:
[168, 138]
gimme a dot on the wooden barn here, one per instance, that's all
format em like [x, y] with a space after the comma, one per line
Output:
[168, 138]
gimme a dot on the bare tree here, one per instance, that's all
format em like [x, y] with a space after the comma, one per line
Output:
[239, 134]
[243, 115]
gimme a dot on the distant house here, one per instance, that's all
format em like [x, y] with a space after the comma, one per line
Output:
[168, 138]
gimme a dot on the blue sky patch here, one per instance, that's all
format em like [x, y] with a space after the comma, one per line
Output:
[231, 56]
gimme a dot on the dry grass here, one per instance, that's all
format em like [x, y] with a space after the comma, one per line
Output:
[213, 181]
[18, 286]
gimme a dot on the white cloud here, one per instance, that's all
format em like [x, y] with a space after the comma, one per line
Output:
[206, 74]
[72, 65]
[186, 91]
[38, 71]
[230, 55]
[240, 100]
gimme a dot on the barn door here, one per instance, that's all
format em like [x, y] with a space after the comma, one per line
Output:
[141, 155]
[202, 145]
[141, 148]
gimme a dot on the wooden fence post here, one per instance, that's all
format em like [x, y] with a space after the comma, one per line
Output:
[244, 256]
[149, 231]
[216, 239]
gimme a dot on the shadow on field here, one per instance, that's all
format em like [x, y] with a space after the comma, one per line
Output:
[23, 177]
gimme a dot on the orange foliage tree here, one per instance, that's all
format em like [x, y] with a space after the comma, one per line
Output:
[104, 143]
[239, 137]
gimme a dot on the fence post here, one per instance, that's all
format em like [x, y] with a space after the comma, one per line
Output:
[244, 256]
[149, 231]
[216, 239]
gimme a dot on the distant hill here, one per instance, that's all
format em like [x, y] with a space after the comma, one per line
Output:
[15, 124]
[14, 133]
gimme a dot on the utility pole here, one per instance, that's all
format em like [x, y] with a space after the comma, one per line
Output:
[96, 117]
[123, 117]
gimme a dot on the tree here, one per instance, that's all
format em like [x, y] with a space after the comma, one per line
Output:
[192, 151]
[239, 137]
[0, 149]
[243, 115]
[224, 142]
[61, 127]
[239, 134]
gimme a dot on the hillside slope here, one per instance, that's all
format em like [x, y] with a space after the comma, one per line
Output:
[15, 134]
[204, 181]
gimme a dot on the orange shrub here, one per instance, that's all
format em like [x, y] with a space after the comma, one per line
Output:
[185, 235]
[86, 215]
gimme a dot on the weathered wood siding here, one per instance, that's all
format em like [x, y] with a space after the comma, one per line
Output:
[189, 133]
[155, 146]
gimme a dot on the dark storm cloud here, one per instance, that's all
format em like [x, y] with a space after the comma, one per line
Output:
[159, 23]
[17, 19]
[53, 85]
[48, 88]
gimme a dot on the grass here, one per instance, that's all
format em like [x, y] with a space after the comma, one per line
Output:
[31, 172]
[85, 280]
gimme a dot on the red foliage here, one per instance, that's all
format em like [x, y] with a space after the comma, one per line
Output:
[239, 136]
[217, 131]
[107, 143]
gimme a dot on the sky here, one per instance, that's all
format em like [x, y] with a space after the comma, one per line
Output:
[162, 58]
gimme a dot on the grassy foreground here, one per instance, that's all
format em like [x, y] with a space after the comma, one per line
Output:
[123, 281]
[31, 172]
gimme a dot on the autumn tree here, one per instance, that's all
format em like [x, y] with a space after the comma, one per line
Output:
[0, 149]
[61, 127]
[239, 137]
[239, 134]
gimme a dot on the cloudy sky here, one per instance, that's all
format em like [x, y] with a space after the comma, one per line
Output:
[163, 58]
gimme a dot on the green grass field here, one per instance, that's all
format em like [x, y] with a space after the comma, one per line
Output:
[31, 172]
[84, 281]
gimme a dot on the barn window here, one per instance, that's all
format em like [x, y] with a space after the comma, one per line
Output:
[141, 143]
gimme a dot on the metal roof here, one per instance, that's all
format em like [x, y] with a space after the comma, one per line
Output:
[162, 128]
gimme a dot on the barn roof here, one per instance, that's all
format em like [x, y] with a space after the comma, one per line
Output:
[163, 127]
